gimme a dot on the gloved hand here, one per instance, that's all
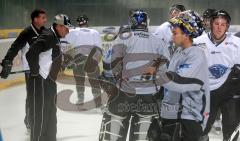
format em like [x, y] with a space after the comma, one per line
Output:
[235, 73]
[6, 68]
[34, 72]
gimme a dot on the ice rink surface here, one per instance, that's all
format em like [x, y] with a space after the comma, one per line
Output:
[72, 126]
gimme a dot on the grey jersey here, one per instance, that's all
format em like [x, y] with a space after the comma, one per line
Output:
[187, 95]
[137, 52]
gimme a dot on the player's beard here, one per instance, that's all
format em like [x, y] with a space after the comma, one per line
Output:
[219, 39]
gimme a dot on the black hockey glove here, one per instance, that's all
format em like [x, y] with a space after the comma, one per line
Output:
[235, 73]
[6, 68]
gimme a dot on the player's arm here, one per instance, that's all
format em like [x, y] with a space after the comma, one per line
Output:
[97, 40]
[185, 79]
[235, 70]
[160, 63]
[12, 52]
[98, 44]
[17, 45]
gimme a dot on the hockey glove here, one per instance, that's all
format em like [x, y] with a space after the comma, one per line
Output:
[236, 71]
[6, 68]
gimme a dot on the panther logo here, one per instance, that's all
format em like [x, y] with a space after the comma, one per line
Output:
[217, 70]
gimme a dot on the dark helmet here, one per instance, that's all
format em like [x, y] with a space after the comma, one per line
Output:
[208, 13]
[222, 14]
[178, 7]
[189, 22]
[82, 20]
[138, 18]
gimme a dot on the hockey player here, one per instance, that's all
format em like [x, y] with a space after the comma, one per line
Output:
[164, 31]
[222, 51]
[23, 41]
[206, 22]
[84, 39]
[44, 59]
[206, 18]
[186, 89]
[135, 98]
[188, 103]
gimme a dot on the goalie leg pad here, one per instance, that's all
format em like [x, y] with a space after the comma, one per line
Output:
[139, 126]
[113, 127]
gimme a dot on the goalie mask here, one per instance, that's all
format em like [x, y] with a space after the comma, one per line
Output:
[189, 22]
[138, 19]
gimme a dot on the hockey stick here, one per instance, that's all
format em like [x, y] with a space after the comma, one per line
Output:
[21, 71]
[15, 72]
[235, 132]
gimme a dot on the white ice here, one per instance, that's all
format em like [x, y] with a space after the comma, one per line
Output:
[72, 126]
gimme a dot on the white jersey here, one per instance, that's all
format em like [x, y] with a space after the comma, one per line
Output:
[84, 36]
[164, 32]
[83, 40]
[221, 58]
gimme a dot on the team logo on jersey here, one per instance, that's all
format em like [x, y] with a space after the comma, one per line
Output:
[183, 66]
[217, 70]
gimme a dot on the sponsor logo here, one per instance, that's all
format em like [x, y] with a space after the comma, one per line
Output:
[231, 43]
[215, 52]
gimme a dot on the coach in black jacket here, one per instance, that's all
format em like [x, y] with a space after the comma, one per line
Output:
[44, 59]
[23, 41]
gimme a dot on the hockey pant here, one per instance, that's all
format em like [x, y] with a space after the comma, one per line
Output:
[229, 107]
[28, 103]
[227, 99]
[43, 109]
[79, 76]
[180, 130]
